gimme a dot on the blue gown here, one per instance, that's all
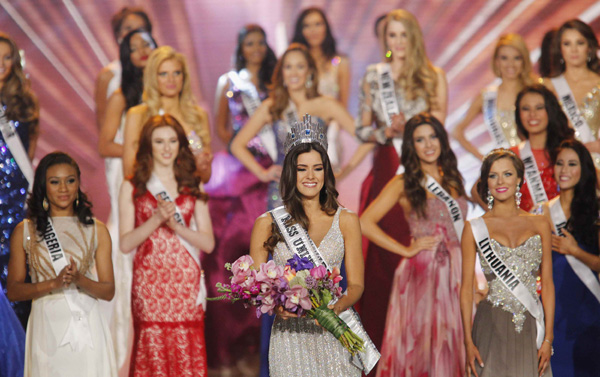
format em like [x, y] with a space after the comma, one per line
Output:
[12, 341]
[13, 192]
[576, 323]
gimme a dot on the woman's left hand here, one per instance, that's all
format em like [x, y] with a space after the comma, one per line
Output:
[71, 274]
[564, 245]
[543, 355]
[203, 160]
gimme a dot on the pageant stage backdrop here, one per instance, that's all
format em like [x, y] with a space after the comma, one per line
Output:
[67, 42]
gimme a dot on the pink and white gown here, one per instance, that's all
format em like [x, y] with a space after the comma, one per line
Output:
[423, 331]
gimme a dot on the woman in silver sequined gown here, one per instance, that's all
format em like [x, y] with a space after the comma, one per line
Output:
[502, 338]
[300, 347]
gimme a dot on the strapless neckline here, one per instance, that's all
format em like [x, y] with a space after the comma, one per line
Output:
[518, 246]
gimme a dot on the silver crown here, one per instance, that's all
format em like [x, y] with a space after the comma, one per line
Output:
[305, 132]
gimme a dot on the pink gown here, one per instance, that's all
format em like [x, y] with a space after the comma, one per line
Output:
[423, 331]
[168, 325]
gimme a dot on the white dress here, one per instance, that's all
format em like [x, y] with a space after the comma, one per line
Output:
[50, 314]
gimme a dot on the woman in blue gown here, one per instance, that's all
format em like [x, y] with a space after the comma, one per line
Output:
[21, 109]
[575, 260]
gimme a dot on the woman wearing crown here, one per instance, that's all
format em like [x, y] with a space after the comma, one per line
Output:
[299, 346]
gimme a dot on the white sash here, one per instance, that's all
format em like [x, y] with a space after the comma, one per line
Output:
[569, 105]
[298, 241]
[78, 333]
[16, 148]
[451, 204]
[251, 101]
[387, 94]
[290, 115]
[532, 174]
[508, 277]
[490, 117]
[158, 190]
[583, 272]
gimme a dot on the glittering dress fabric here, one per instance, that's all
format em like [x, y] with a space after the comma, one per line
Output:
[328, 86]
[380, 264]
[50, 314]
[168, 325]
[298, 346]
[547, 173]
[423, 329]
[503, 330]
[237, 198]
[13, 192]
[12, 341]
[576, 322]
[506, 120]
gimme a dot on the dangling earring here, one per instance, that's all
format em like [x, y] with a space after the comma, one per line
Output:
[308, 84]
[388, 54]
[490, 200]
[77, 201]
[518, 196]
[589, 57]
[562, 61]
[45, 204]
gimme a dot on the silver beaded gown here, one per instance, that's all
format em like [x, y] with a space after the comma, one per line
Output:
[504, 331]
[298, 346]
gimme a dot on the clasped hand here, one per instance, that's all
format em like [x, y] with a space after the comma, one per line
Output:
[69, 274]
[396, 129]
[166, 213]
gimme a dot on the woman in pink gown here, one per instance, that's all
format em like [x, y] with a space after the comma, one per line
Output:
[423, 332]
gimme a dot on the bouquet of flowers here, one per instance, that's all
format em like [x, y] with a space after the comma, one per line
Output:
[299, 287]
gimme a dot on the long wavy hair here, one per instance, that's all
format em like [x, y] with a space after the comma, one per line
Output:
[187, 103]
[588, 33]
[21, 103]
[117, 19]
[414, 176]
[292, 199]
[558, 125]
[279, 93]
[36, 212]
[418, 77]
[328, 46]
[132, 78]
[184, 167]
[583, 223]
[548, 54]
[515, 41]
[486, 166]
[268, 64]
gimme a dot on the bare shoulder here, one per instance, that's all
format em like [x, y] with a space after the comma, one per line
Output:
[348, 217]
[138, 110]
[439, 72]
[18, 230]
[105, 75]
[540, 222]
[263, 221]
[102, 229]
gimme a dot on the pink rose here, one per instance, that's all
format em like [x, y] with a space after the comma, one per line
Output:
[297, 296]
[318, 272]
[269, 272]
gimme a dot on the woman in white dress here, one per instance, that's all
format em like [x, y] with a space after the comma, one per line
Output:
[68, 253]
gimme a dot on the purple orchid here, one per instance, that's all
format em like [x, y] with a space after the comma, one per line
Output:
[300, 264]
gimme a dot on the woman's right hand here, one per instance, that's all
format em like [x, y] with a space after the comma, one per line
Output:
[165, 210]
[284, 314]
[472, 354]
[272, 173]
[423, 243]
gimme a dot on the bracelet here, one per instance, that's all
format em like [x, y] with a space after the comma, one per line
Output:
[551, 347]
[549, 342]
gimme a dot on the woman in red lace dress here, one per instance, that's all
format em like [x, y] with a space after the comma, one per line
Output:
[167, 294]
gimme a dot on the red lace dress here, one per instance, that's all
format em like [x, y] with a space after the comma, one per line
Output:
[546, 172]
[168, 325]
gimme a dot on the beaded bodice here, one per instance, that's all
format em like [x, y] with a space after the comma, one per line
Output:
[524, 260]
[590, 109]
[331, 248]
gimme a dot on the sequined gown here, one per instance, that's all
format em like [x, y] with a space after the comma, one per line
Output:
[379, 263]
[50, 314]
[13, 192]
[576, 322]
[423, 330]
[546, 172]
[298, 346]
[503, 330]
[506, 120]
[168, 325]
[237, 198]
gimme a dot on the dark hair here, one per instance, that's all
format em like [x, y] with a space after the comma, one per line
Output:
[279, 93]
[328, 45]
[21, 103]
[117, 19]
[292, 199]
[377, 22]
[558, 125]
[586, 31]
[36, 212]
[185, 164]
[414, 176]
[132, 78]
[268, 64]
[548, 56]
[488, 161]
[583, 223]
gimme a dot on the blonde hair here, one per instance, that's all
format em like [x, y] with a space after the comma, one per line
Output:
[191, 112]
[418, 77]
[515, 41]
